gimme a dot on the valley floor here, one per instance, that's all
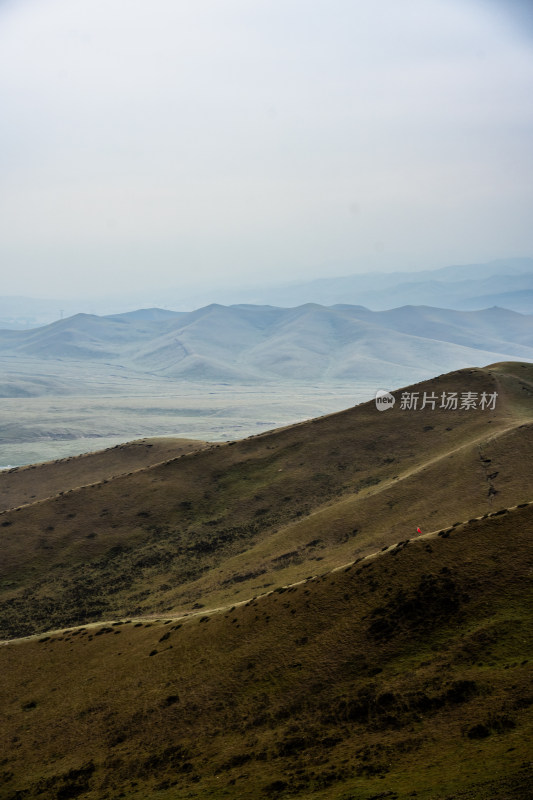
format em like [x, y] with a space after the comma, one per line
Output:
[37, 429]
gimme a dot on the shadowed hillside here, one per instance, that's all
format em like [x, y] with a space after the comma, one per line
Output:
[229, 521]
[407, 674]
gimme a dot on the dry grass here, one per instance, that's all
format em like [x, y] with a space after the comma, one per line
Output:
[410, 673]
[224, 523]
[403, 675]
[22, 485]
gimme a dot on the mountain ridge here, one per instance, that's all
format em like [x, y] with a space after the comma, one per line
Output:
[368, 288]
[251, 344]
[186, 615]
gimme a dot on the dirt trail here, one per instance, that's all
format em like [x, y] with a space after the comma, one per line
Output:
[186, 615]
[135, 471]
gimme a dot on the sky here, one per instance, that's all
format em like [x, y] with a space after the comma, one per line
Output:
[190, 145]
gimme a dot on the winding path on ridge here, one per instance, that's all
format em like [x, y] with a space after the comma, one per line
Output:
[187, 615]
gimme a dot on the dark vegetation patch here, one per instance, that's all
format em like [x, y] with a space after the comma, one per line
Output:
[376, 709]
[243, 576]
[65, 786]
[435, 600]
[171, 700]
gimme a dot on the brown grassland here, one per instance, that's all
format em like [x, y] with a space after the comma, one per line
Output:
[22, 485]
[260, 618]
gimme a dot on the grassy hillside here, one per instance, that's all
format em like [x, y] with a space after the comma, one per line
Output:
[260, 619]
[22, 485]
[404, 675]
[230, 521]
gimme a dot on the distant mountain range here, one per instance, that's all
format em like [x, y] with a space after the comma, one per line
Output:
[243, 344]
[505, 282]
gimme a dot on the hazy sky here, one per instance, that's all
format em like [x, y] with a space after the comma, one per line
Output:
[183, 143]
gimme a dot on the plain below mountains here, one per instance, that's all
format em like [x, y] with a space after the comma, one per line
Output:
[254, 344]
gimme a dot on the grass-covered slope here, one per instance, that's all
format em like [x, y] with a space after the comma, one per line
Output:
[230, 521]
[405, 675]
[22, 485]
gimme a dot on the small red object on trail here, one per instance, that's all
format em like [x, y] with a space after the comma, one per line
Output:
[418, 530]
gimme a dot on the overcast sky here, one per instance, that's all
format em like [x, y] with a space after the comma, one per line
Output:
[180, 143]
